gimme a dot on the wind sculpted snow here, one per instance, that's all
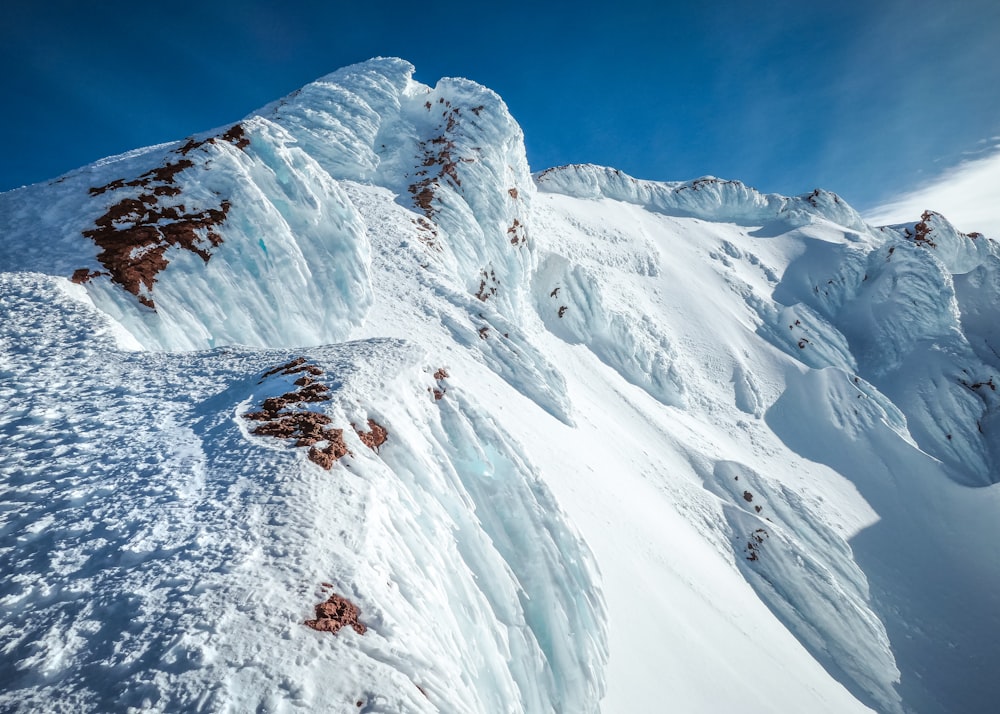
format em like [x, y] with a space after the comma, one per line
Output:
[340, 408]
[162, 556]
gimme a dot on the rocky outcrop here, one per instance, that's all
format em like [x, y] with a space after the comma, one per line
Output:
[136, 231]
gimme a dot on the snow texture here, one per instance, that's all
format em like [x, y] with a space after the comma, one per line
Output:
[645, 442]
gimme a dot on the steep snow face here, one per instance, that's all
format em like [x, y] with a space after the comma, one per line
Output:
[853, 348]
[897, 305]
[210, 242]
[670, 304]
[452, 153]
[773, 425]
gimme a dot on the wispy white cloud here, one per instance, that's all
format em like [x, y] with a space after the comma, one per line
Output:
[968, 195]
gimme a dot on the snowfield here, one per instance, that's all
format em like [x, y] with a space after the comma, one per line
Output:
[565, 442]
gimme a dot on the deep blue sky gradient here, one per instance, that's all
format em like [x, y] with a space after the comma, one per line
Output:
[864, 98]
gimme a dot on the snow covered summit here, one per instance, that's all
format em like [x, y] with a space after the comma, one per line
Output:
[339, 408]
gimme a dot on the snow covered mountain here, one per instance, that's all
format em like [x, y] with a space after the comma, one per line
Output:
[340, 408]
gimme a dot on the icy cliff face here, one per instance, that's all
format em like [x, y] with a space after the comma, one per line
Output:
[338, 406]
[236, 236]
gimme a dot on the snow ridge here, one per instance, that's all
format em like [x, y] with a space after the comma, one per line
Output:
[708, 197]
[771, 426]
[474, 594]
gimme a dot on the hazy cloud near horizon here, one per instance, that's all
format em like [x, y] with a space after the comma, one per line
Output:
[968, 195]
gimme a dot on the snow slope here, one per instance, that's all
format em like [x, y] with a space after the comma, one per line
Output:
[649, 445]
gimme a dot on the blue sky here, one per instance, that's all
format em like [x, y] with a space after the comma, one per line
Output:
[868, 99]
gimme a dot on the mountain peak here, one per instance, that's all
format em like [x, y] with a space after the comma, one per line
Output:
[348, 362]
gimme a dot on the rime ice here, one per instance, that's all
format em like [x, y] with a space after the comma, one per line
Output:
[570, 442]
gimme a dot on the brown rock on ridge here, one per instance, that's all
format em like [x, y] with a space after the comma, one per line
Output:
[337, 612]
[308, 428]
[299, 364]
[437, 157]
[83, 275]
[334, 449]
[923, 230]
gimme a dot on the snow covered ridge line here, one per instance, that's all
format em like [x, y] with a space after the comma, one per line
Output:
[708, 198]
[258, 212]
[159, 557]
[731, 394]
[960, 252]
[451, 153]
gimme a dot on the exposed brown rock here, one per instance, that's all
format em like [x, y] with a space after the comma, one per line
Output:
[191, 145]
[979, 385]
[423, 196]
[374, 437]
[335, 613]
[512, 192]
[237, 136]
[516, 232]
[165, 173]
[166, 190]
[135, 233]
[287, 368]
[83, 275]
[697, 184]
[299, 364]
[329, 454]
[308, 428]
[754, 543]
[487, 285]
[133, 254]
[428, 233]
[438, 157]
[922, 230]
[440, 376]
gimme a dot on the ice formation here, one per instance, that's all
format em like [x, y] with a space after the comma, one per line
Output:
[339, 408]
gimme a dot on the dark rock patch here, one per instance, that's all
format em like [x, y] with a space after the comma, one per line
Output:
[336, 613]
[281, 419]
[374, 437]
[135, 232]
